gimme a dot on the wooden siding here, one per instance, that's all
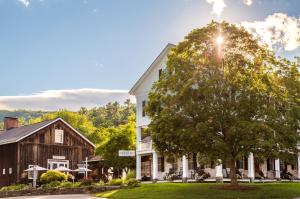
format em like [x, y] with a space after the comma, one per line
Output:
[8, 159]
[37, 148]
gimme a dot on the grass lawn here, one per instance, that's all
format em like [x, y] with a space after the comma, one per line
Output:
[204, 190]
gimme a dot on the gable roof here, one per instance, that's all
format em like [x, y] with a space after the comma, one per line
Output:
[17, 134]
[148, 71]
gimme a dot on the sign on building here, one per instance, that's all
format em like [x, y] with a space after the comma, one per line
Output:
[126, 153]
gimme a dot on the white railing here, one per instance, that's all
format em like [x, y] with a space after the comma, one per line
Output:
[145, 146]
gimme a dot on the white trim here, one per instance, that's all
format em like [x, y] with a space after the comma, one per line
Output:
[145, 74]
[58, 119]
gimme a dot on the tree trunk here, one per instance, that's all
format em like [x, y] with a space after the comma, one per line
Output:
[233, 176]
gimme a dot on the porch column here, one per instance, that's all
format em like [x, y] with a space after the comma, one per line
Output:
[138, 138]
[138, 167]
[184, 169]
[219, 171]
[155, 167]
[299, 165]
[277, 168]
[251, 171]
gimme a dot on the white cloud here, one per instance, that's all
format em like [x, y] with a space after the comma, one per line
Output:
[25, 2]
[248, 2]
[278, 31]
[217, 6]
[72, 99]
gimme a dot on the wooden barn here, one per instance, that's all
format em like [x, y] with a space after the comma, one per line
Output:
[48, 144]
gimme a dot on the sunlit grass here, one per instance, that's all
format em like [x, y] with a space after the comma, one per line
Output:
[205, 191]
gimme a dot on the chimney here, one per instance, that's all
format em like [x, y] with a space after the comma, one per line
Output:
[10, 123]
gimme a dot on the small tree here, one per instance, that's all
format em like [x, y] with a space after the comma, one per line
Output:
[224, 95]
[119, 138]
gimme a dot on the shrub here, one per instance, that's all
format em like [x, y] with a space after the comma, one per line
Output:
[52, 175]
[132, 182]
[100, 183]
[66, 185]
[15, 187]
[85, 182]
[115, 182]
[130, 175]
[69, 177]
[76, 184]
[53, 184]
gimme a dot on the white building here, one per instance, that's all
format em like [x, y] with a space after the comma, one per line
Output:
[150, 165]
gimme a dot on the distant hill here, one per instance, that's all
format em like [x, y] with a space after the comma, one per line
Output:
[23, 115]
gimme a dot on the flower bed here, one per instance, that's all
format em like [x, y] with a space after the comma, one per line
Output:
[58, 191]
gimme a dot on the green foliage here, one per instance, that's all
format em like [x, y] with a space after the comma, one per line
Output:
[225, 101]
[85, 182]
[131, 174]
[66, 185]
[132, 182]
[16, 187]
[115, 182]
[23, 115]
[51, 185]
[119, 138]
[52, 175]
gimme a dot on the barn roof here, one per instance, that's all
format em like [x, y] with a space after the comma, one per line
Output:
[17, 134]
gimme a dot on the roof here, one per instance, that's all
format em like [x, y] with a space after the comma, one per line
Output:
[17, 134]
[148, 71]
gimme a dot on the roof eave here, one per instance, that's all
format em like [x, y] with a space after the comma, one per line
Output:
[147, 72]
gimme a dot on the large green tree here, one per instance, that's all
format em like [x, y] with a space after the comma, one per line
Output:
[224, 95]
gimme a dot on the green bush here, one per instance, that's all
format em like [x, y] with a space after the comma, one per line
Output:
[15, 187]
[66, 185]
[52, 175]
[115, 182]
[85, 182]
[132, 182]
[98, 184]
[53, 184]
[76, 184]
[130, 175]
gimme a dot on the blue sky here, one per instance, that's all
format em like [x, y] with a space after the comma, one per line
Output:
[107, 44]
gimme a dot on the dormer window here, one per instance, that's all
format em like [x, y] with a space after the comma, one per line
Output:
[59, 136]
[143, 108]
[160, 71]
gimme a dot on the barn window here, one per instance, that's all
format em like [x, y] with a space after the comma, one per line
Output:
[59, 136]
[3, 171]
[10, 170]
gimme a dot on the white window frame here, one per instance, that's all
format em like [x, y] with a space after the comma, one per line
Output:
[59, 136]
[51, 162]
[3, 172]
[10, 171]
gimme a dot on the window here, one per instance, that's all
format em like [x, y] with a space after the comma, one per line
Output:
[270, 164]
[143, 108]
[10, 170]
[3, 171]
[161, 164]
[59, 136]
[192, 161]
[160, 73]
